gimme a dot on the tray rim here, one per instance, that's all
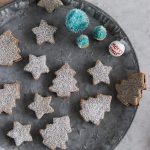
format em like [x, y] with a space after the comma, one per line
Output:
[115, 22]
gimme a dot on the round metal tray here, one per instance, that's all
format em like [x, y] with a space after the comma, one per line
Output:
[20, 17]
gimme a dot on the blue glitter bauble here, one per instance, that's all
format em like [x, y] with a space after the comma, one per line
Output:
[77, 20]
[99, 33]
[82, 41]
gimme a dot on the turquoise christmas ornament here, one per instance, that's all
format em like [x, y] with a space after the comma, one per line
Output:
[82, 41]
[99, 33]
[77, 20]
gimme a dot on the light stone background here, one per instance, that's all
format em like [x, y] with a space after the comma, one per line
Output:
[134, 17]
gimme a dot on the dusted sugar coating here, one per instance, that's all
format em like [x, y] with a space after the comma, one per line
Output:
[130, 91]
[44, 33]
[20, 133]
[83, 41]
[37, 66]
[77, 20]
[56, 135]
[9, 51]
[8, 96]
[94, 109]
[64, 83]
[50, 5]
[99, 33]
[41, 105]
[100, 73]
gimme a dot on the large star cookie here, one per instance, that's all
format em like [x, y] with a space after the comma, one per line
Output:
[56, 135]
[8, 96]
[9, 51]
[44, 33]
[94, 109]
[50, 5]
[100, 73]
[41, 105]
[37, 66]
[20, 133]
[64, 83]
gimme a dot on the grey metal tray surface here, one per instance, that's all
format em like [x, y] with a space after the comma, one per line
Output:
[20, 17]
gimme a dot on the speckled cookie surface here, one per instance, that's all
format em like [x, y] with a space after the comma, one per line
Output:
[20, 133]
[9, 51]
[85, 135]
[37, 66]
[64, 83]
[44, 33]
[100, 73]
[8, 95]
[56, 135]
[41, 105]
[50, 5]
[94, 109]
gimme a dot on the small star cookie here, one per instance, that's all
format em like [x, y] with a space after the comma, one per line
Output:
[50, 5]
[56, 135]
[37, 66]
[100, 73]
[94, 109]
[8, 96]
[64, 83]
[41, 105]
[44, 33]
[20, 133]
[9, 51]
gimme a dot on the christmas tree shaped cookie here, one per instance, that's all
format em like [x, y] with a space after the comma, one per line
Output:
[64, 83]
[8, 96]
[9, 51]
[94, 109]
[56, 135]
[130, 91]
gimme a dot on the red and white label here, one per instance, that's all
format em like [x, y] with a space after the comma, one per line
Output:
[116, 48]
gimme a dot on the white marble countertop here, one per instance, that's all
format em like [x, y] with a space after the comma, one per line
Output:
[134, 17]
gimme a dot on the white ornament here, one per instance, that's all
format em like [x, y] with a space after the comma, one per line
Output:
[116, 48]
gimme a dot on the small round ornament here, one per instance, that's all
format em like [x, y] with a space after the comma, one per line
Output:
[82, 41]
[116, 48]
[99, 33]
[77, 20]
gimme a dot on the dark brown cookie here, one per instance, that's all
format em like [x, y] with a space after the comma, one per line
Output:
[130, 91]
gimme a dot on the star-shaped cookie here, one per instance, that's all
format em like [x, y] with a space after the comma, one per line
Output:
[8, 96]
[50, 5]
[37, 66]
[41, 105]
[9, 51]
[44, 33]
[94, 109]
[100, 73]
[20, 133]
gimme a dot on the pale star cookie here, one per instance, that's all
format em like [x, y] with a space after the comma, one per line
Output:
[44, 33]
[41, 105]
[50, 5]
[37, 66]
[94, 109]
[20, 133]
[100, 73]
